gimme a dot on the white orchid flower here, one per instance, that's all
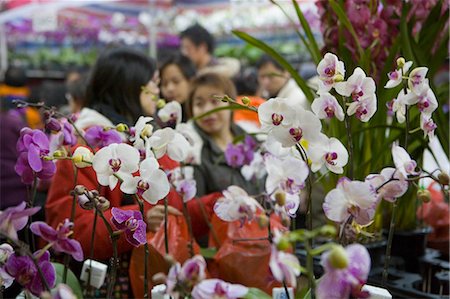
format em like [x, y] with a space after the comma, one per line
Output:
[82, 157]
[326, 106]
[395, 77]
[276, 112]
[402, 161]
[357, 86]
[236, 204]
[417, 79]
[388, 190]
[427, 125]
[329, 152]
[115, 160]
[287, 175]
[151, 184]
[424, 98]
[171, 114]
[256, 169]
[354, 198]
[399, 107]
[142, 130]
[170, 141]
[363, 109]
[330, 68]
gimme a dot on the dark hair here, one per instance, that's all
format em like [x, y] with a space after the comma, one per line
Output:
[15, 76]
[199, 35]
[210, 79]
[246, 82]
[185, 65]
[265, 59]
[77, 89]
[117, 80]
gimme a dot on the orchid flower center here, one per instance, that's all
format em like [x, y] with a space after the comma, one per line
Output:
[296, 133]
[142, 186]
[357, 94]
[25, 278]
[115, 164]
[393, 75]
[410, 166]
[330, 157]
[329, 71]
[423, 104]
[219, 290]
[192, 271]
[430, 126]
[361, 111]
[416, 79]
[290, 186]
[277, 119]
[329, 110]
[132, 223]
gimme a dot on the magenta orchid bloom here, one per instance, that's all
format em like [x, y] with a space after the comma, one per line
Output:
[15, 218]
[132, 224]
[344, 275]
[99, 137]
[23, 269]
[216, 288]
[32, 147]
[59, 237]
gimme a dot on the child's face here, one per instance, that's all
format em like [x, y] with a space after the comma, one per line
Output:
[174, 86]
[203, 101]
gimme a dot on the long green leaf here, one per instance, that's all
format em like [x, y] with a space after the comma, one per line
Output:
[72, 280]
[275, 55]
[302, 38]
[229, 107]
[405, 37]
[315, 52]
[254, 293]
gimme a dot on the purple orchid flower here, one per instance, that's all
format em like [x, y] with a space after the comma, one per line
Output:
[234, 155]
[250, 146]
[32, 147]
[59, 237]
[23, 269]
[15, 218]
[98, 137]
[68, 134]
[346, 271]
[131, 222]
[216, 288]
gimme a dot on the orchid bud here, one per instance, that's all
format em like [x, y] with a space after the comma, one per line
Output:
[84, 202]
[245, 101]
[443, 179]
[160, 103]
[226, 99]
[283, 243]
[59, 154]
[147, 131]
[400, 62]
[338, 257]
[170, 259]
[280, 198]
[262, 220]
[327, 230]
[424, 195]
[82, 157]
[122, 128]
[73, 117]
[53, 125]
[338, 78]
[79, 189]
[102, 203]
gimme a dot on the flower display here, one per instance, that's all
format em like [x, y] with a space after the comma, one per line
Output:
[59, 238]
[131, 223]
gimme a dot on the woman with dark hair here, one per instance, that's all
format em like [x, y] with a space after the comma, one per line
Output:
[216, 131]
[176, 74]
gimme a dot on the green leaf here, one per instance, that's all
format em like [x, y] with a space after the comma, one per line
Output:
[72, 280]
[315, 51]
[229, 107]
[405, 37]
[209, 252]
[254, 293]
[275, 55]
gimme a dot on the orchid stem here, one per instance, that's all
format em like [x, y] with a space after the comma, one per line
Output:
[188, 220]
[348, 129]
[72, 217]
[166, 229]
[286, 290]
[387, 256]
[30, 237]
[310, 267]
[91, 253]
[141, 208]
